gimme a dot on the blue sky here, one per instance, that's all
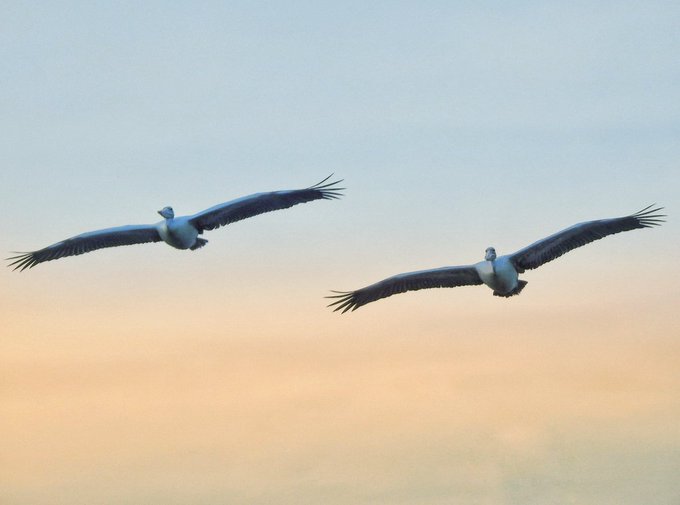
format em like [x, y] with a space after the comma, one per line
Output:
[530, 105]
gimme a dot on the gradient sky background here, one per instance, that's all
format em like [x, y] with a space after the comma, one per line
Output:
[151, 375]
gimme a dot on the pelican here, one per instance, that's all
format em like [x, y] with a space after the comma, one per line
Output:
[180, 232]
[500, 273]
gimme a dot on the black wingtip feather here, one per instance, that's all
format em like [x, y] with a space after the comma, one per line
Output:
[329, 190]
[649, 216]
[22, 261]
[346, 300]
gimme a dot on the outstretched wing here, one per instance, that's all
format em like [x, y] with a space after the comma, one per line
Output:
[446, 277]
[554, 246]
[86, 242]
[259, 203]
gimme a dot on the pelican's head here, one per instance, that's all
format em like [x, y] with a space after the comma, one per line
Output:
[490, 254]
[167, 212]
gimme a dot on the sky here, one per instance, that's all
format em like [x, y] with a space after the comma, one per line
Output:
[151, 375]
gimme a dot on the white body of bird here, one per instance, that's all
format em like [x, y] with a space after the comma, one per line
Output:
[178, 232]
[499, 274]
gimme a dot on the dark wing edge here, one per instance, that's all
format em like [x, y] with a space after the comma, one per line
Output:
[556, 245]
[260, 203]
[84, 243]
[446, 277]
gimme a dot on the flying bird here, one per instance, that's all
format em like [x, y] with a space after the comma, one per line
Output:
[500, 273]
[180, 232]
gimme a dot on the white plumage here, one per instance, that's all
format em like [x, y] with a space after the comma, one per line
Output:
[501, 274]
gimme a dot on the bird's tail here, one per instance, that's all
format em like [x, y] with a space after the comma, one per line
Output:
[200, 242]
[516, 291]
